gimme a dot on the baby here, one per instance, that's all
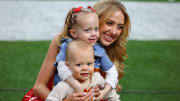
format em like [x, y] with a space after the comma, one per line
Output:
[80, 60]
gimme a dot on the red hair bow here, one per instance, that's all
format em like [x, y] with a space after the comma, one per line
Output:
[89, 7]
[77, 9]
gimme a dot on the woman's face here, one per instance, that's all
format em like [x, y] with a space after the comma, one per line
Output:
[112, 29]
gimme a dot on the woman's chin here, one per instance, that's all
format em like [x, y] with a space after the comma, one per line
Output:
[106, 43]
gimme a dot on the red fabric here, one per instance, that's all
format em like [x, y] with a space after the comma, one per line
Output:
[29, 96]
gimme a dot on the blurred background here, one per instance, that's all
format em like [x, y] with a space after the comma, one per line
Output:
[151, 70]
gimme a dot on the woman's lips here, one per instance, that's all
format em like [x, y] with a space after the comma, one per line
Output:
[108, 38]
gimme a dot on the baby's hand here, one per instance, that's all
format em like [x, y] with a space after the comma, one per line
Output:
[77, 88]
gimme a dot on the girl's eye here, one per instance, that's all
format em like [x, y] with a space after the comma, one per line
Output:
[87, 30]
[96, 29]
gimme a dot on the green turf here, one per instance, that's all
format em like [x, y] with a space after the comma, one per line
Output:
[151, 66]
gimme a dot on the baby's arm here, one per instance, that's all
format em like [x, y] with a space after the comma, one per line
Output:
[65, 74]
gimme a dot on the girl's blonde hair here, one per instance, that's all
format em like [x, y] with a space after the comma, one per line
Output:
[117, 50]
[72, 20]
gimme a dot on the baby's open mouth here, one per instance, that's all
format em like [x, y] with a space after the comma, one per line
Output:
[84, 74]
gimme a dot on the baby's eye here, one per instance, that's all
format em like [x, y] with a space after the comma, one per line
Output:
[89, 63]
[78, 65]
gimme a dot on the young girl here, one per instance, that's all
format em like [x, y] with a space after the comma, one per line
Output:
[82, 23]
[80, 60]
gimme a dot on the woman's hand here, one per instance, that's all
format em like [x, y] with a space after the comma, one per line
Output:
[79, 96]
[96, 91]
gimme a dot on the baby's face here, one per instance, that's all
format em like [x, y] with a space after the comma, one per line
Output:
[82, 64]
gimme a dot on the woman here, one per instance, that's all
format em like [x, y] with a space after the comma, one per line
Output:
[114, 30]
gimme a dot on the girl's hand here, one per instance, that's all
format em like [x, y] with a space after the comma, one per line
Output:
[79, 97]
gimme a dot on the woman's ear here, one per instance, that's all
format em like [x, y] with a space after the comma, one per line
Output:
[73, 33]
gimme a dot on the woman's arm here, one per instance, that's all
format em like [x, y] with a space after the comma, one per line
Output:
[46, 72]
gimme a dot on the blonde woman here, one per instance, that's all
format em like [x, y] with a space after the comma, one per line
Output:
[114, 30]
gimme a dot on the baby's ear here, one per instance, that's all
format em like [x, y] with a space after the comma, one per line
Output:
[66, 62]
[73, 33]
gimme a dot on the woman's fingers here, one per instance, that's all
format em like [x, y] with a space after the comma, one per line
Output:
[96, 91]
[81, 96]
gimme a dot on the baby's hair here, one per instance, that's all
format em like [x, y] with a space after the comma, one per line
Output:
[78, 45]
[71, 18]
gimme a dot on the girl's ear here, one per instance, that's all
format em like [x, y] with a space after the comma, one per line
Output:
[73, 33]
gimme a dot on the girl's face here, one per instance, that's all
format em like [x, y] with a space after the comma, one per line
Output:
[87, 28]
[112, 29]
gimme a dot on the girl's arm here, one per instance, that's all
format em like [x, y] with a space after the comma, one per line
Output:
[112, 76]
[46, 72]
[110, 82]
[110, 69]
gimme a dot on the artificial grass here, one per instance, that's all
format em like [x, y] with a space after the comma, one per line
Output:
[151, 66]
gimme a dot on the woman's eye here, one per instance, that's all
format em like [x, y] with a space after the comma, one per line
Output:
[120, 27]
[109, 23]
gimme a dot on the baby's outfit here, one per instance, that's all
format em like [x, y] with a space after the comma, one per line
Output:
[62, 89]
[102, 61]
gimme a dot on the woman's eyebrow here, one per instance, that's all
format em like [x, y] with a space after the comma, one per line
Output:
[121, 24]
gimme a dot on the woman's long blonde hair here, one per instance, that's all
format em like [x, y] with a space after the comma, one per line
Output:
[116, 51]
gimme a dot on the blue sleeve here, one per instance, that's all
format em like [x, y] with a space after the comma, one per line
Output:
[62, 52]
[105, 62]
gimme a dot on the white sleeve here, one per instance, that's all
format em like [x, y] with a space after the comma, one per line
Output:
[112, 77]
[63, 71]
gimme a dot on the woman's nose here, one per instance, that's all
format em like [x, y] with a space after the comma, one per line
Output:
[114, 30]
